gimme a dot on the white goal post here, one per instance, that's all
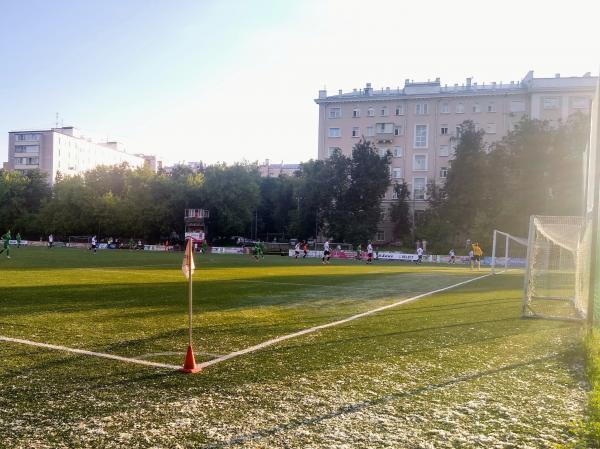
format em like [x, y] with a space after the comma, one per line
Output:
[557, 275]
[512, 256]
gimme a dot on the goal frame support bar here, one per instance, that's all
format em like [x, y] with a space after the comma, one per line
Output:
[507, 238]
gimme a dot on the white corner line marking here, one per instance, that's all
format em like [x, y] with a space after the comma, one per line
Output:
[242, 351]
[332, 324]
[90, 353]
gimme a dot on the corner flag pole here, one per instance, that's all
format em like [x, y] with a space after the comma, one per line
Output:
[189, 365]
[189, 255]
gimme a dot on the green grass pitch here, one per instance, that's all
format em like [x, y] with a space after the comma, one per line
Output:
[456, 369]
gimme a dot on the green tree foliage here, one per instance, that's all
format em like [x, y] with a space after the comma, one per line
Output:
[534, 169]
[280, 205]
[21, 197]
[358, 186]
[231, 193]
[400, 214]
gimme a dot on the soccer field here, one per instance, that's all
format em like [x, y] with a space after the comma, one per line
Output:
[458, 368]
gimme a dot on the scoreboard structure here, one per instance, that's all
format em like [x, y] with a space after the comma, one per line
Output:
[195, 224]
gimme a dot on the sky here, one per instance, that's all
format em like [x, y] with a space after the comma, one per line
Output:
[234, 80]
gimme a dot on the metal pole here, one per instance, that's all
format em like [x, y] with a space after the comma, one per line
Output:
[494, 252]
[190, 289]
[506, 252]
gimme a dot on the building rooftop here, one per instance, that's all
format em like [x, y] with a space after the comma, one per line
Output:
[435, 88]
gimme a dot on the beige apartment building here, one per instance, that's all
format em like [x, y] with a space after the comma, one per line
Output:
[269, 170]
[417, 123]
[66, 151]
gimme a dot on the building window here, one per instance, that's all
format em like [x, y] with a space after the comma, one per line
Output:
[490, 128]
[29, 136]
[419, 162]
[551, 103]
[444, 150]
[335, 112]
[397, 173]
[371, 112]
[383, 152]
[398, 130]
[27, 160]
[380, 236]
[444, 130]
[335, 132]
[332, 150]
[384, 112]
[370, 131]
[580, 103]
[27, 148]
[421, 108]
[400, 109]
[443, 172]
[419, 188]
[491, 107]
[460, 108]
[445, 108]
[398, 152]
[476, 108]
[420, 136]
[384, 128]
[355, 113]
[394, 194]
[517, 106]
[356, 131]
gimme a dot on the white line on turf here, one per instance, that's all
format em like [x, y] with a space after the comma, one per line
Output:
[90, 353]
[159, 354]
[332, 324]
[242, 351]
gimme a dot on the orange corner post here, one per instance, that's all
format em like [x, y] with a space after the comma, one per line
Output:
[189, 365]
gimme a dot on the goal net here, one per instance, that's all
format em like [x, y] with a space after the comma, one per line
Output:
[508, 252]
[80, 241]
[557, 275]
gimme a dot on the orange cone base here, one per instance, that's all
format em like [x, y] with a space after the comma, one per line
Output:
[189, 365]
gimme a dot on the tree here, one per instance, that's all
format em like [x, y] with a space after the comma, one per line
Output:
[453, 207]
[400, 213]
[232, 196]
[22, 196]
[360, 183]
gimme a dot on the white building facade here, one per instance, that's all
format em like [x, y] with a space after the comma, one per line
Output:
[417, 123]
[64, 150]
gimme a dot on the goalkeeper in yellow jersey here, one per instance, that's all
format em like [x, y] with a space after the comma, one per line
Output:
[477, 255]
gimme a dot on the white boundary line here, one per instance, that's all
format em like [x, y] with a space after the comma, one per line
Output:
[332, 324]
[242, 351]
[90, 353]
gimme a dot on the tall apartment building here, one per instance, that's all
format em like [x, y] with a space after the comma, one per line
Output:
[417, 123]
[66, 151]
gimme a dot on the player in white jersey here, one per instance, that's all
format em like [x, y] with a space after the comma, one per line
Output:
[369, 253]
[94, 242]
[419, 255]
[452, 256]
[297, 250]
[326, 252]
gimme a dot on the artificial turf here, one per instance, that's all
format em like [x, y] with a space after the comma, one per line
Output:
[456, 369]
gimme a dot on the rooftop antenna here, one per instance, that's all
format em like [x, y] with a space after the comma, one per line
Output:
[56, 120]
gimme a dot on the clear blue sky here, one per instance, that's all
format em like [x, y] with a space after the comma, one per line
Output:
[228, 80]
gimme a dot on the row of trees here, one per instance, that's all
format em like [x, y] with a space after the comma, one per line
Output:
[342, 193]
[535, 169]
